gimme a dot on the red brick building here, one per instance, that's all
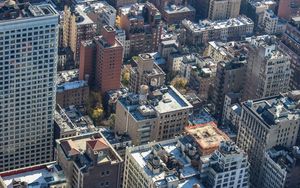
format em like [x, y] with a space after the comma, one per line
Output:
[101, 61]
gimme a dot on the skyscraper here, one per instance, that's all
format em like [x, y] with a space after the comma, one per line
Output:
[28, 58]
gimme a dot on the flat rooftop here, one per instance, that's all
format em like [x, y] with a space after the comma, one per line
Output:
[143, 156]
[67, 76]
[71, 85]
[276, 109]
[207, 136]
[10, 10]
[35, 176]
[172, 100]
[173, 9]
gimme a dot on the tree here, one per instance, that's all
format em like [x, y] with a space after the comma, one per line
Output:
[180, 84]
[125, 77]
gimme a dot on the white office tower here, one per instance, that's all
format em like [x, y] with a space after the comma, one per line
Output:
[28, 58]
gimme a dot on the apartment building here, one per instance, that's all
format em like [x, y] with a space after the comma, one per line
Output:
[28, 66]
[77, 26]
[271, 24]
[223, 9]
[266, 123]
[157, 114]
[224, 30]
[146, 72]
[281, 167]
[268, 69]
[89, 160]
[143, 30]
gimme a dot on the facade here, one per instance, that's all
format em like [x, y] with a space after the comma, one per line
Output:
[142, 30]
[28, 65]
[290, 43]
[48, 175]
[157, 115]
[145, 73]
[89, 160]
[266, 123]
[72, 93]
[268, 69]
[281, 167]
[204, 31]
[230, 77]
[288, 8]
[223, 9]
[77, 27]
[272, 24]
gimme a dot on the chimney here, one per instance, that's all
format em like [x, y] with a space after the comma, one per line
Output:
[109, 34]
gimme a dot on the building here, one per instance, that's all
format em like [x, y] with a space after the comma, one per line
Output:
[101, 61]
[72, 93]
[70, 121]
[272, 24]
[44, 175]
[146, 72]
[223, 9]
[207, 136]
[121, 36]
[173, 12]
[230, 77]
[142, 25]
[177, 163]
[89, 160]
[77, 27]
[120, 3]
[28, 63]
[152, 115]
[266, 123]
[290, 43]
[281, 167]
[288, 9]
[227, 167]
[225, 30]
[232, 110]
[101, 13]
[268, 69]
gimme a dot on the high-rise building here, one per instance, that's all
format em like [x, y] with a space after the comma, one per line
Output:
[266, 123]
[77, 27]
[268, 69]
[281, 167]
[28, 63]
[142, 25]
[223, 9]
[101, 60]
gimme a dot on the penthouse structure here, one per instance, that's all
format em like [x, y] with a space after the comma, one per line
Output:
[28, 66]
[266, 123]
[88, 160]
[205, 31]
[142, 24]
[77, 27]
[281, 167]
[268, 69]
[157, 114]
[146, 72]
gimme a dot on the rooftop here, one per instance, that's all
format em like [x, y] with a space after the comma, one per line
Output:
[67, 76]
[10, 10]
[274, 110]
[71, 85]
[205, 25]
[174, 9]
[284, 157]
[70, 118]
[163, 161]
[35, 176]
[207, 136]
[96, 7]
